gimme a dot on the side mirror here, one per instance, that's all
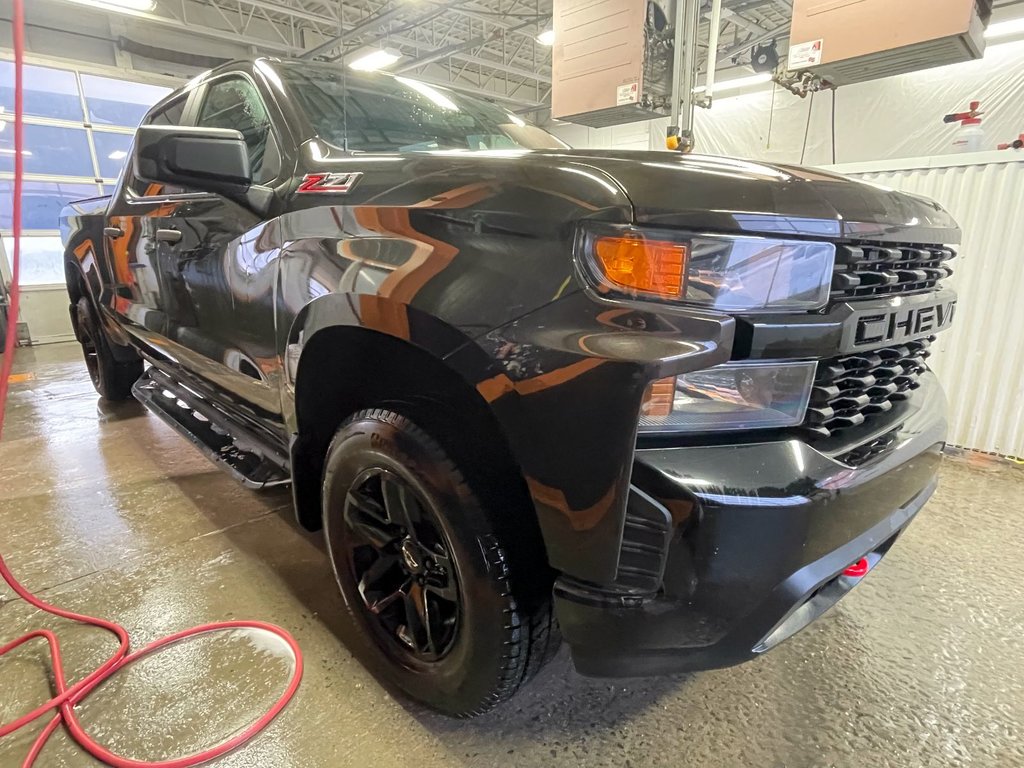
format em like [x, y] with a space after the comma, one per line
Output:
[206, 159]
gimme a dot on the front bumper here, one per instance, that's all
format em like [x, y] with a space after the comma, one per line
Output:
[756, 539]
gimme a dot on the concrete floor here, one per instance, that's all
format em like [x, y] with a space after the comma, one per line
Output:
[106, 511]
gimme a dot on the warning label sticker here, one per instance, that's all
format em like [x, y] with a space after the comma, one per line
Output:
[805, 54]
[628, 94]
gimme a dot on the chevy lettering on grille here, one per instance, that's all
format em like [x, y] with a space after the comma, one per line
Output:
[903, 323]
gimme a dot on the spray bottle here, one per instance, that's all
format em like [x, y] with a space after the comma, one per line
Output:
[970, 137]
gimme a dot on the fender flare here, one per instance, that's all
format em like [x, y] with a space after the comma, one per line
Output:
[388, 317]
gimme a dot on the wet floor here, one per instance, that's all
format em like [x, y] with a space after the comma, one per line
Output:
[105, 511]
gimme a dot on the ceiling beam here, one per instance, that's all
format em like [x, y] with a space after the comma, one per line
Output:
[204, 30]
[471, 59]
[444, 53]
[724, 56]
[509, 68]
[741, 21]
[508, 26]
[373, 22]
[290, 10]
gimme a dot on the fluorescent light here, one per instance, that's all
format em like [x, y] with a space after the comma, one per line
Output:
[1005, 28]
[547, 37]
[739, 82]
[140, 6]
[117, 154]
[24, 152]
[430, 92]
[374, 60]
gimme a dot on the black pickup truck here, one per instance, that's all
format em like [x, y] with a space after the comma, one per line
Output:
[668, 407]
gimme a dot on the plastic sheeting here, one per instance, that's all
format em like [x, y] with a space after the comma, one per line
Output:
[883, 119]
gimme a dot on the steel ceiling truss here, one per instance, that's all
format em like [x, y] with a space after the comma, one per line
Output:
[477, 45]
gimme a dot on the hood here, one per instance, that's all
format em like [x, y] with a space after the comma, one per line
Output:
[724, 194]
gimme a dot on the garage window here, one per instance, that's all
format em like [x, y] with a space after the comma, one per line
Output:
[42, 259]
[41, 202]
[49, 92]
[49, 150]
[119, 102]
[78, 132]
[111, 152]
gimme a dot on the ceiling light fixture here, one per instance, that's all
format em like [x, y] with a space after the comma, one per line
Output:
[119, 6]
[739, 82]
[547, 37]
[1005, 28]
[374, 60]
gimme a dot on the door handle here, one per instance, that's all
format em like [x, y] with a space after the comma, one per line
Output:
[168, 235]
[113, 232]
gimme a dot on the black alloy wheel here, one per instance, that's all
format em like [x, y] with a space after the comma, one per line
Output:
[111, 377]
[443, 601]
[401, 563]
[89, 351]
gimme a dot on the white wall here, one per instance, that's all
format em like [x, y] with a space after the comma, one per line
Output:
[890, 118]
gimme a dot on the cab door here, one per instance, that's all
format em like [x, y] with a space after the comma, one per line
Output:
[222, 257]
[143, 296]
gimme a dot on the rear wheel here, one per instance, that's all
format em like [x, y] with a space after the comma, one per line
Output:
[112, 379]
[437, 608]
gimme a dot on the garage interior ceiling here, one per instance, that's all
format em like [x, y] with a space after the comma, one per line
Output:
[487, 47]
[484, 47]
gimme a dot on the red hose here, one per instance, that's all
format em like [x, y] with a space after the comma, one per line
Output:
[67, 697]
[18, 31]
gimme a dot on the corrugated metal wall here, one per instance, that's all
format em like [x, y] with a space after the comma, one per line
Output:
[981, 359]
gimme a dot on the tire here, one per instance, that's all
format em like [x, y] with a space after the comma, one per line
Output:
[399, 513]
[113, 380]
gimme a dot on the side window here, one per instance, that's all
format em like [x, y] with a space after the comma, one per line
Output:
[234, 103]
[169, 114]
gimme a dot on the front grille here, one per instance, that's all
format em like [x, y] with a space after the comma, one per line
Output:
[864, 271]
[849, 390]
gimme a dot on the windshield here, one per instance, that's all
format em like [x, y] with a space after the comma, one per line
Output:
[396, 114]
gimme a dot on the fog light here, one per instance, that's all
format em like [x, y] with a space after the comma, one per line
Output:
[735, 396]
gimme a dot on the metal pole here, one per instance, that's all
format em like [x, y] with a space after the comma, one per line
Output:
[716, 24]
[677, 60]
[683, 63]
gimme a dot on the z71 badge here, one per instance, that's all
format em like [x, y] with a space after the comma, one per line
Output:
[337, 183]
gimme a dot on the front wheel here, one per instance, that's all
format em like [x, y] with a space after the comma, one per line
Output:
[437, 608]
[112, 379]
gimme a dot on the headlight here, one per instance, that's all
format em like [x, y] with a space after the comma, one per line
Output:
[726, 273]
[735, 396]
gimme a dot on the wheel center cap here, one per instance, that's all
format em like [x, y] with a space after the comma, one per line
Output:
[409, 555]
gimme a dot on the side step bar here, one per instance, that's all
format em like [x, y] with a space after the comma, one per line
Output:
[228, 444]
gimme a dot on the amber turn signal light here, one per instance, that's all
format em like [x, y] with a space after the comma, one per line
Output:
[648, 266]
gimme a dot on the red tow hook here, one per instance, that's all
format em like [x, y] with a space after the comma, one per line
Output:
[858, 569]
